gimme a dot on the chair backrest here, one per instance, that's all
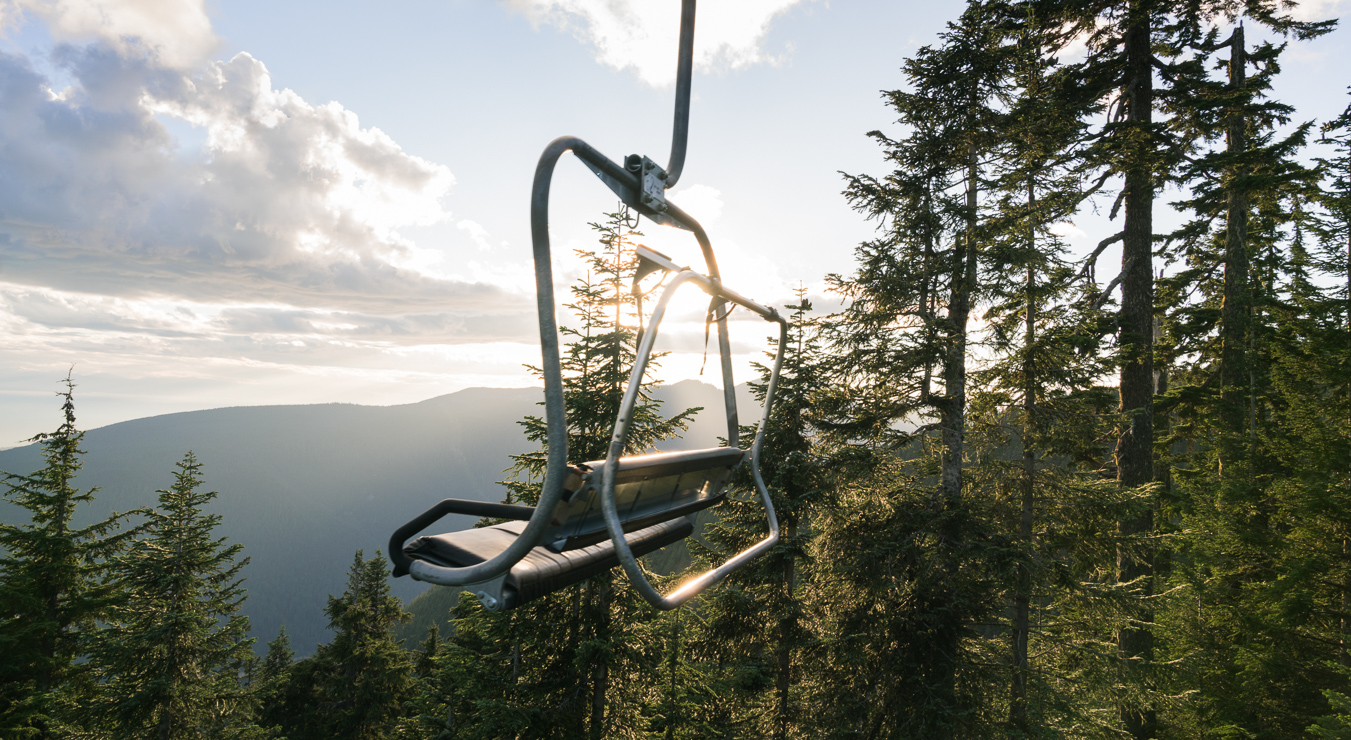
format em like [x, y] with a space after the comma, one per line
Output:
[648, 489]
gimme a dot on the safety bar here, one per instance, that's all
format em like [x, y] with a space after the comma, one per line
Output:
[402, 563]
[713, 288]
[607, 487]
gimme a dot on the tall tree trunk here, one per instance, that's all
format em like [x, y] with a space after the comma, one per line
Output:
[953, 422]
[784, 657]
[1022, 598]
[926, 314]
[1346, 545]
[600, 679]
[1134, 447]
[1237, 305]
[953, 413]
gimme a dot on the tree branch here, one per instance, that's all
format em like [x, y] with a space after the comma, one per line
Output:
[1097, 252]
[1107, 292]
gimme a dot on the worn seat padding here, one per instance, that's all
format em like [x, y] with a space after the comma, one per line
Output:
[648, 489]
[542, 571]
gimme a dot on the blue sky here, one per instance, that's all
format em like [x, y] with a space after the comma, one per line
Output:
[241, 202]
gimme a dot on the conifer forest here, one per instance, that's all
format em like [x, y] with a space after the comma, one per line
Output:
[1020, 496]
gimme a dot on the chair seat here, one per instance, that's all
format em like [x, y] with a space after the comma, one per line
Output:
[648, 489]
[542, 570]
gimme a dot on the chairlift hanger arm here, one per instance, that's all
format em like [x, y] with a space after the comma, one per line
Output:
[555, 417]
[641, 184]
[624, 182]
[680, 131]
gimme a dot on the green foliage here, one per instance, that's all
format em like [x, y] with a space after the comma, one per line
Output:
[270, 680]
[169, 653]
[355, 686]
[577, 663]
[748, 634]
[1335, 726]
[53, 585]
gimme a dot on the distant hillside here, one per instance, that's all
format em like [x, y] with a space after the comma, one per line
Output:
[302, 487]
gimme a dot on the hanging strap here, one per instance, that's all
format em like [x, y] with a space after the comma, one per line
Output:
[709, 320]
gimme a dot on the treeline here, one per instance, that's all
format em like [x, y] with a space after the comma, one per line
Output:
[131, 627]
[1018, 499]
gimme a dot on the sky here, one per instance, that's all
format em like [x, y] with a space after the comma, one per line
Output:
[245, 203]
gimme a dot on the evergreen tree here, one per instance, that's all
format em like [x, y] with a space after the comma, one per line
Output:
[751, 630]
[1130, 44]
[1035, 412]
[270, 681]
[1244, 638]
[53, 586]
[1333, 229]
[170, 652]
[1335, 726]
[575, 663]
[905, 535]
[354, 687]
[425, 714]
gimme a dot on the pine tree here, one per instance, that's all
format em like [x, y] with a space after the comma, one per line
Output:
[170, 652]
[1035, 413]
[1130, 44]
[425, 713]
[1333, 229]
[270, 681]
[751, 630]
[52, 580]
[1265, 642]
[1224, 315]
[355, 686]
[906, 535]
[575, 663]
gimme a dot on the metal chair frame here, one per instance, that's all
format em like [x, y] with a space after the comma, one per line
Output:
[640, 184]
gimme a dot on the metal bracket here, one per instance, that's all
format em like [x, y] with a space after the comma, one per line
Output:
[637, 200]
[489, 592]
[650, 260]
[651, 182]
[652, 191]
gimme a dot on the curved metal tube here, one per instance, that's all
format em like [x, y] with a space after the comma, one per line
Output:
[607, 488]
[716, 306]
[551, 368]
[680, 132]
[555, 472]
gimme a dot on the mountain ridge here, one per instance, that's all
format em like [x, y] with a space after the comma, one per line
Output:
[302, 487]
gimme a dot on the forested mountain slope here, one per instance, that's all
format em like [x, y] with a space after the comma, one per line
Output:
[303, 487]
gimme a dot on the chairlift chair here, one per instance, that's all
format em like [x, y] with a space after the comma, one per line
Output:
[596, 515]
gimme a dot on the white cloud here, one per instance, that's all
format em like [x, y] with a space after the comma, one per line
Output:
[286, 201]
[476, 232]
[177, 32]
[642, 35]
[1068, 230]
[204, 237]
[702, 202]
[1317, 10]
